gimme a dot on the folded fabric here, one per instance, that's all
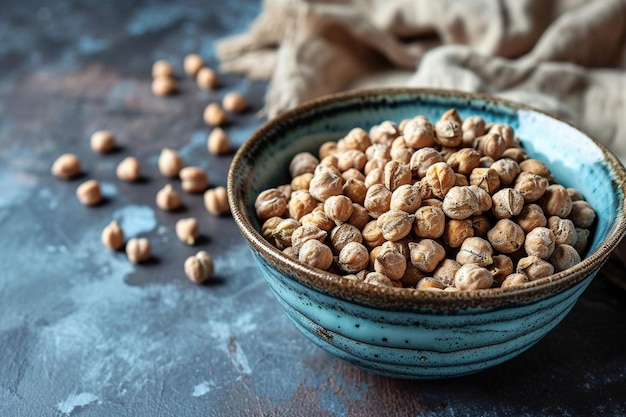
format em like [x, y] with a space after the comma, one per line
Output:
[567, 57]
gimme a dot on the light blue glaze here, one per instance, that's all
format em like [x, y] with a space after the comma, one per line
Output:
[426, 342]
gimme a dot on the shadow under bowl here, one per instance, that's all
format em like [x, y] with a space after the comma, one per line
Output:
[423, 334]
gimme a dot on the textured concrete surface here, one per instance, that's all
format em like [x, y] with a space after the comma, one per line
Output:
[85, 333]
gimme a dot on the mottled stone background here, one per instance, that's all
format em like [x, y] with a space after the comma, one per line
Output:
[85, 333]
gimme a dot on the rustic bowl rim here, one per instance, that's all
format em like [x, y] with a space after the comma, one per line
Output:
[391, 298]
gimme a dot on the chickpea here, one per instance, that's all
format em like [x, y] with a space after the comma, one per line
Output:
[507, 203]
[377, 200]
[89, 193]
[162, 68]
[475, 250]
[188, 230]
[429, 222]
[113, 236]
[128, 169]
[194, 179]
[192, 64]
[582, 214]
[395, 224]
[426, 254]
[207, 79]
[422, 159]
[405, 198]
[102, 141]
[338, 208]
[270, 203]
[353, 258]
[429, 284]
[301, 182]
[199, 268]
[534, 267]
[418, 133]
[563, 229]
[530, 217]
[464, 160]
[378, 279]
[485, 178]
[384, 133]
[396, 175]
[513, 280]
[491, 144]
[536, 167]
[372, 235]
[303, 233]
[66, 166]
[357, 139]
[501, 268]
[235, 102]
[390, 263]
[441, 178]
[164, 86]
[556, 201]
[170, 163]
[446, 271]
[456, 231]
[411, 276]
[216, 201]
[532, 186]
[540, 242]
[316, 254]
[355, 190]
[564, 257]
[460, 203]
[507, 170]
[318, 218]
[472, 127]
[448, 132]
[325, 185]
[302, 163]
[214, 115]
[168, 198]
[138, 250]
[218, 142]
[472, 277]
[506, 236]
[351, 158]
[283, 232]
[343, 234]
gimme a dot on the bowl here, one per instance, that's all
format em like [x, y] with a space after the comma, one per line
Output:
[423, 334]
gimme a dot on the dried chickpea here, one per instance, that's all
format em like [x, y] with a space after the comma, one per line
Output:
[564, 257]
[501, 268]
[286, 190]
[194, 179]
[170, 163]
[372, 235]
[540, 242]
[506, 203]
[138, 250]
[192, 64]
[316, 254]
[353, 257]
[530, 217]
[162, 68]
[491, 144]
[426, 254]
[536, 167]
[218, 142]
[291, 252]
[301, 182]
[396, 174]
[506, 236]
[338, 208]
[395, 224]
[325, 185]
[534, 267]
[485, 178]
[325, 168]
[128, 169]
[102, 141]
[188, 230]
[486, 162]
[216, 201]
[283, 231]
[343, 234]
[89, 193]
[375, 176]
[422, 159]
[484, 199]
[359, 217]
[214, 115]
[429, 222]
[460, 203]
[504, 130]
[199, 268]
[207, 79]
[532, 186]
[269, 226]
[513, 280]
[574, 194]
[378, 151]
[352, 173]
[461, 180]
[235, 102]
[475, 250]
[448, 132]
[318, 218]
[556, 201]
[582, 214]
[164, 86]
[384, 133]
[563, 229]
[418, 134]
[377, 200]
[327, 148]
[446, 271]
[456, 231]
[358, 139]
[66, 166]
[507, 170]
[582, 237]
[464, 160]
[113, 236]
[441, 178]
[378, 279]
[472, 277]
[355, 190]
[472, 127]
[351, 158]
[300, 204]
[516, 154]
[304, 233]
[390, 263]
[481, 225]
[270, 203]
[405, 198]
[411, 276]
[168, 199]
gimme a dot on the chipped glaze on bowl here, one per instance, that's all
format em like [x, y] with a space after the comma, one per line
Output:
[423, 334]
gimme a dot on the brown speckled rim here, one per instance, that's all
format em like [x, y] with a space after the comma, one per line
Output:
[398, 298]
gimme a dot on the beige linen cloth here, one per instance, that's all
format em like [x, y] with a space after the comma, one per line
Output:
[567, 57]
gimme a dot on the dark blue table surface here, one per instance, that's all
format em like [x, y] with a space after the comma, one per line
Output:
[85, 333]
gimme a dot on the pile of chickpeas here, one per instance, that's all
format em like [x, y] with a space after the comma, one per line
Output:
[447, 206]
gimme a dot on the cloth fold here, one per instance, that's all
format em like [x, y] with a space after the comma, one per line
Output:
[567, 57]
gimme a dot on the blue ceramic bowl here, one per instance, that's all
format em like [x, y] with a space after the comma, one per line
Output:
[423, 334]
